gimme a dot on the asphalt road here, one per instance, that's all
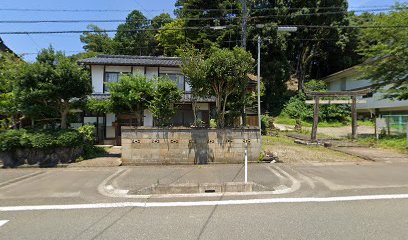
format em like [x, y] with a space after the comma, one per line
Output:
[346, 215]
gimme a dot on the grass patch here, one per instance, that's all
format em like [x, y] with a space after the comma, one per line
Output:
[290, 121]
[389, 142]
[271, 140]
[366, 123]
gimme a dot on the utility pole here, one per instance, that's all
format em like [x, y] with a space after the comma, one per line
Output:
[244, 45]
[244, 24]
[259, 88]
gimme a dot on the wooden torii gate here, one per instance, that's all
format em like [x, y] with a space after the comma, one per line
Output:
[352, 94]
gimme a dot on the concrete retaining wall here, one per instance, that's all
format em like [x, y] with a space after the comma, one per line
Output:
[41, 157]
[142, 145]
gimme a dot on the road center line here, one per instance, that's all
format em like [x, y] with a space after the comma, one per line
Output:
[2, 222]
[202, 203]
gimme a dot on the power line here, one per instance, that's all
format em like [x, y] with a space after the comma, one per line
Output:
[186, 19]
[290, 8]
[194, 28]
[176, 45]
[161, 10]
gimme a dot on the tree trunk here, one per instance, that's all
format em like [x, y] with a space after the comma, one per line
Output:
[315, 119]
[64, 116]
[223, 110]
[243, 114]
[219, 111]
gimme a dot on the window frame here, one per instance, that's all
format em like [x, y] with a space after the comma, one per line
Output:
[105, 90]
[176, 74]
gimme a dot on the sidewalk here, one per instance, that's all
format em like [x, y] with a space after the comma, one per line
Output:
[112, 159]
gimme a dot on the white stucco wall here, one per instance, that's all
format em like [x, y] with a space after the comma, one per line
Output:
[148, 118]
[98, 73]
[97, 78]
[170, 70]
[120, 69]
[372, 103]
[377, 101]
[350, 84]
[151, 72]
[138, 70]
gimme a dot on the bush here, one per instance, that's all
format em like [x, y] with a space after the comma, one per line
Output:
[297, 109]
[12, 139]
[265, 124]
[69, 139]
[213, 123]
[39, 139]
[89, 132]
[91, 151]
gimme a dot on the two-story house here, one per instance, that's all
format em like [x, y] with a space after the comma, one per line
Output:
[373, 104]
[107, 69]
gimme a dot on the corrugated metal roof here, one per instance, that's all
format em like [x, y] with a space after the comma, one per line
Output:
[132, 60]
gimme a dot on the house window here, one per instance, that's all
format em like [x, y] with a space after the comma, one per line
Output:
[110, 77]
[187, 87]
[178, 79]
[368, 95]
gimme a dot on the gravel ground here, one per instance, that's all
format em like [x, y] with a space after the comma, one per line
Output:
[335, 132]
[290, 152]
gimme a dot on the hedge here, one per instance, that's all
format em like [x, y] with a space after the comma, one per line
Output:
[39, 139]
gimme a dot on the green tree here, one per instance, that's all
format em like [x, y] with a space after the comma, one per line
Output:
[132, 95]
[163, 105]
[9, 71]
[310, 53]
[51, 86]
[386, 49]
[221, 74]
[136, 36]
[97, 40]
[171, 37]
[201, 33]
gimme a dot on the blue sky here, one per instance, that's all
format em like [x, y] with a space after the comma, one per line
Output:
[70, 42]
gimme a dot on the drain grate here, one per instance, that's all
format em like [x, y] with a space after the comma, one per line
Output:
[209, 191]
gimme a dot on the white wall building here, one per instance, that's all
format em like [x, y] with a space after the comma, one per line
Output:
[108, 68]
[376, 105]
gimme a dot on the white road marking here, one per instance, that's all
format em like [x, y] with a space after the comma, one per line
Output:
[2, 222]
[20, 179]
[203, 203]
[295, 183]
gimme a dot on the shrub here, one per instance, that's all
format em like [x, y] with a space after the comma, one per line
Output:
[91, 151]
[39, 139]
[213, 123]
[89, 132]
[265, 124]
[296, 108]
[42, 140]
[11, 139]
[69, 139]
